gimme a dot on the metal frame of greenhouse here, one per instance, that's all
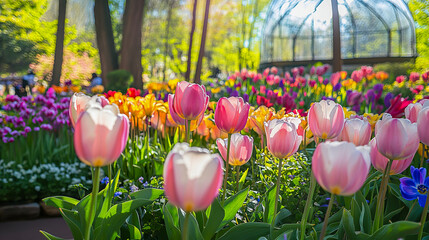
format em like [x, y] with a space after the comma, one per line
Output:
[302, 32]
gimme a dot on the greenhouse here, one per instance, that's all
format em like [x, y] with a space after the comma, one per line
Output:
[299, 32]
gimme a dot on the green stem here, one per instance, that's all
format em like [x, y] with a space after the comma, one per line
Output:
[226, 168]
[185, 227]
[92, 210]
[109, 175]
[308, 205]
[279, 174]
[378, 219]
[422, 159]
[411, 209]
[424, 214]
[238, 177]
[328, 212]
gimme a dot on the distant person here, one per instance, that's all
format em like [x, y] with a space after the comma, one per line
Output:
[28, 80]
[95, 80]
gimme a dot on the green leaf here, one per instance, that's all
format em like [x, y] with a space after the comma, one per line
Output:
[134, 232]
[147, 193]
[365, 220]
[232, 205]
[347, 224]
[391, 215]
[248, 231]
[116, 216]
[355, 213]
[270, 198]
[72, 219]
[50, 236]
[104, 198]
[172, 231]
[215, 219]
[276, 232]
[243, 178]
[61, 202]
[281, 216]
[194, 232]
[396, 230]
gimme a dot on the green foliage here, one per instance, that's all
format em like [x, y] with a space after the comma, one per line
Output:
[419, 9]
[119, 80]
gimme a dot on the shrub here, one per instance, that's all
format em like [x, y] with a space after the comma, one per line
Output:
[119, 80]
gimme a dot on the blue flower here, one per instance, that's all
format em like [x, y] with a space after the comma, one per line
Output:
[417, 187]
[134, 188]
[105, 180]
[117, 194]
[141, 179]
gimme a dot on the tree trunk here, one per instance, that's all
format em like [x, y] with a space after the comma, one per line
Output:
[105, 40]
[59, 43]
[131, 49]
[203, 44]
[252, 26]
[191, 36]
[167, 33]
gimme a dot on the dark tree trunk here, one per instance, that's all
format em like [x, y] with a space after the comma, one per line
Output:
[203, 44]
[191, 36]
[167, 33]
[105, 40]
[59, 43]
[131, 49]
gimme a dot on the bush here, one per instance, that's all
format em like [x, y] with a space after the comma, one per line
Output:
[119, 80]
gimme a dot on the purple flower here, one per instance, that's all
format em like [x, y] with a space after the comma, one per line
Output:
[46, 127]
[417, 187]
[234, 93]
[378, 87]
[145, 184]
[326, 81]
[134, 188]
[14, 133]
[27, 129]
[246, 97]
[337, 87]
[36, 129]
[141, 179]
[387, 99]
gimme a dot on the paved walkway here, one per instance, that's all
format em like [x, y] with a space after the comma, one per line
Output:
[29, 229]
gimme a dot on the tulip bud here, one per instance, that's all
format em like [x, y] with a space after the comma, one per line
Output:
[282, 137]
[326, 119]
[231, 114]
[240, 150]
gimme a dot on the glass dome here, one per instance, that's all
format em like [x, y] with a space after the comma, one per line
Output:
[300, 32]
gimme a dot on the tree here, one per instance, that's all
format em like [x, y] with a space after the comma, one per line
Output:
[420, 11]
[203, 44]
[105, 40]
[191, 37]
[59, 43]
[131, 50]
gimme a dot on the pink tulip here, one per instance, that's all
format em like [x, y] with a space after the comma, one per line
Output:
[240, 150]
[78, 104]
[231, 114]
[397, 139]
[100, 135]
[356, 131]
[340, 168]
[176, 118]
[282, 137]
[326, 119]
[190, 100]
[412, 111]
[192, 177]
[423, 124]
[379, 161]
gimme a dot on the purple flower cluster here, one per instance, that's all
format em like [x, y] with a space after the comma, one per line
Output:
[27, 114]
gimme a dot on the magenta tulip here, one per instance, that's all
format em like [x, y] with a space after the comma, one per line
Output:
[396, 138]
[78, 104]
[100, 135]
[231, 114]
[341, 168]
[192, 177]
[423, 125]
[189, 101]
[326, 119]
[379, 161]
[282, 137]
[240, 150]
[356, 131]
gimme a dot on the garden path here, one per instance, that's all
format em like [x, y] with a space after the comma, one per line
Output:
[29, 229]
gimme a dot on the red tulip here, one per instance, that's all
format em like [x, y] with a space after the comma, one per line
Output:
[190, 101]
[100, 135]
[192, 177]
[397, 106]
[231, 114]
